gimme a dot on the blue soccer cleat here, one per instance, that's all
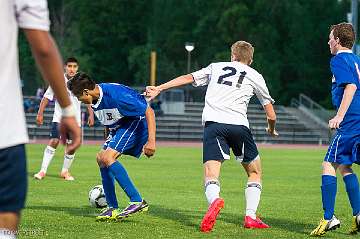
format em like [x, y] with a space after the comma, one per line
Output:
[132, 209]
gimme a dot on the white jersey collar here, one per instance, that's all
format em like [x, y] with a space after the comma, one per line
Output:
[343, 51]
[99, 100]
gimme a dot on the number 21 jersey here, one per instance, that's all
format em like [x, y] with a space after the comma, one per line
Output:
[230, 87]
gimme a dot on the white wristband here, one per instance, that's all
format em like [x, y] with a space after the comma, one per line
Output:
[68, 111]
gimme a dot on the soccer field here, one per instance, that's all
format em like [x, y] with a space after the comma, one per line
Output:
[172, 184]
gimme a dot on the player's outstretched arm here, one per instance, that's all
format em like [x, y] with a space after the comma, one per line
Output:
[271, 119]
[348, 95]
[150, 146]
[40, 115]
[48, 59]
[152, 91]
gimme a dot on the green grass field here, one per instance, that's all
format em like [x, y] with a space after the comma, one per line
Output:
[172, 184]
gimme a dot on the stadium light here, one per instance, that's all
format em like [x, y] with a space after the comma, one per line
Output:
[189, 46]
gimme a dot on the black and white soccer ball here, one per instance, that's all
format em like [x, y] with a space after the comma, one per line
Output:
[97, 197]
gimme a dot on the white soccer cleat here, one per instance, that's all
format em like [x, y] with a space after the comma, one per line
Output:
[40, 175]
[67, 176]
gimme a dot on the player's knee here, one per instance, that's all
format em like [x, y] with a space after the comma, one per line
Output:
[99, 160]
[345, 170]
[54, 142]
[253, 170]
[328, 168]
[106, 159]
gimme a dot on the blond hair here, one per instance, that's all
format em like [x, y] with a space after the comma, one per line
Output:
[242, 51]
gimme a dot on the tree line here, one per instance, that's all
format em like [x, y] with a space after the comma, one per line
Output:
[113, 39]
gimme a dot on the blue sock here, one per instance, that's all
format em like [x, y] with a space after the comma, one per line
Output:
[124, 181]
[109, 187]
[352, 189]
[328, 193]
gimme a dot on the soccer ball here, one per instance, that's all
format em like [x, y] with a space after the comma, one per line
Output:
[97, 197]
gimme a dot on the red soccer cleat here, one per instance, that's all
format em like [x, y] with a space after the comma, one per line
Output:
[254, 223]
[209, 219]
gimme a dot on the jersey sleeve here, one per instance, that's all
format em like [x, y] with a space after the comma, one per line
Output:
[262, 92]
[202, 77]
[49, 94]
[32, 14]
[342, 72]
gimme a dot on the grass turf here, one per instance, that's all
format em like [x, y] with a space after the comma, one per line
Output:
[172, 184]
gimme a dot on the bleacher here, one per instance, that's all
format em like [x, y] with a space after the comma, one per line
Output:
[188, 127]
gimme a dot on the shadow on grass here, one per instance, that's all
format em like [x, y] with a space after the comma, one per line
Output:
[285, 224]
[185, 217]
[74, 211]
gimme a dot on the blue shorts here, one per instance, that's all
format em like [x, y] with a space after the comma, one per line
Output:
[343, 149]
[54, 132]
[129, 138]
[13, 178]
[219, 138]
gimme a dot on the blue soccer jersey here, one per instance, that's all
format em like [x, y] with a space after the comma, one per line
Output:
[122, 110]
[117, 102]
[345, 68]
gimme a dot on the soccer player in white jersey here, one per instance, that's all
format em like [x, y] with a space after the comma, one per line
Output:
[33, 17]
[71, 67]
[230, 87]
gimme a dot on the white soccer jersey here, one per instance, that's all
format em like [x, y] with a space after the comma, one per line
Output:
[230, 87]
[28, 14]
[49, 94]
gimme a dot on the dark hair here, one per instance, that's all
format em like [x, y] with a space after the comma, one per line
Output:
[345, 32]
[80, 82]
[71, 59]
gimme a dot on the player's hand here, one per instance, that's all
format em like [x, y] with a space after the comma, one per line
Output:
[39, 119]
[273, 133]
[90, 121]
[149, 148]
[335, 122]
[68, 125]
[152, 91]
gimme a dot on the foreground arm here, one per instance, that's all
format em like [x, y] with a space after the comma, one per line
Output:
[48, 59]
[149, 148]
[349, 92]
[271, 119]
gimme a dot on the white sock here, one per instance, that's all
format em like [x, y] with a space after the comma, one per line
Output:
[68, 159]
[212, 190]
[49, 153]
[6, 234]
[252, 196]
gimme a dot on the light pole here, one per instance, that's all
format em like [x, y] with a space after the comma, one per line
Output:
[189, 46]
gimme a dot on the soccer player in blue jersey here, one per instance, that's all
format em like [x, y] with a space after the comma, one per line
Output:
[132, 130]
[343, 150]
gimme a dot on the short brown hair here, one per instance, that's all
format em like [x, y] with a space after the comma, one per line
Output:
[345, 32]
[242, 51]
[80, 82]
